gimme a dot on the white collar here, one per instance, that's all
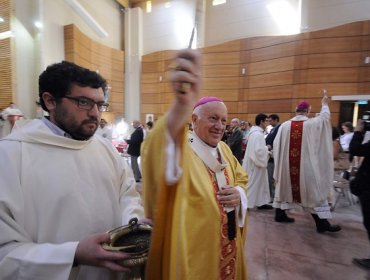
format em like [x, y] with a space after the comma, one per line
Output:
[207, 153]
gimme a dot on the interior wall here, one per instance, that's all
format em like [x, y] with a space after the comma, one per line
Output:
[169, 27]
[109, 62]
[238, 19]
[34, 49]
[271, 74]
[318, 14]
[25, 59]
[6, 59]
[105, 12]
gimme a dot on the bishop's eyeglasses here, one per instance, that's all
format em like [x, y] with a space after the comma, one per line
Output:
[87, 103]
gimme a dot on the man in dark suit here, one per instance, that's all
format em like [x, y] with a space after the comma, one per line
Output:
[274, 122]
[360, 146]
[235, 140]
[133, 150]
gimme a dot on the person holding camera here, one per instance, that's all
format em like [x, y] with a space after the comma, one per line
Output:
[360, 146]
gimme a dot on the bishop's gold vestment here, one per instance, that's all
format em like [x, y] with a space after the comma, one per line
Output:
[186, 241]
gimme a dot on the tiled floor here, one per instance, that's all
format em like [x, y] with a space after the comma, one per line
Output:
[277, 251]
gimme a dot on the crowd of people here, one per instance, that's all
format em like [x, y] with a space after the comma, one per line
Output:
[63, 185]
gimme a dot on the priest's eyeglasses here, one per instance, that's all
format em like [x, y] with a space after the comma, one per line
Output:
[87, 103]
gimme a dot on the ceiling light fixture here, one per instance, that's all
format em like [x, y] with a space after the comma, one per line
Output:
[38, 24]
[148, 6]
[6, 34]
[218, 2]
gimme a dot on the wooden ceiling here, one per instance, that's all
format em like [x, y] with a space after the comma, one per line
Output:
[130, 3]
[134, 2]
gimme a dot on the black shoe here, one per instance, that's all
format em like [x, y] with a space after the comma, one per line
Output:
[285, 219]
[322, 225]
[281, 216]
[329, 228]
[265, 207]
[364, 263]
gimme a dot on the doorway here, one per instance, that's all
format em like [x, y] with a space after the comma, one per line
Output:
[352, 111]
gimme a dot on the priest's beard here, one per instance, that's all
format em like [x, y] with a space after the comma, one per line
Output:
[83, 130]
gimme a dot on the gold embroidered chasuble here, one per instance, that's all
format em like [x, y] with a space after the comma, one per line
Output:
[189, 235]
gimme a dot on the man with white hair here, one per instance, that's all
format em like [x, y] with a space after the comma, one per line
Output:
[134, 146]
[194, 188]
[303, 155]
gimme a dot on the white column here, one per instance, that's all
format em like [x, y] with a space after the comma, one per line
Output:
[133, 53]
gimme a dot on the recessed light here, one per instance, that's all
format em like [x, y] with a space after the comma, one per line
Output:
[38, 24]
[218, 2]
[148, 6]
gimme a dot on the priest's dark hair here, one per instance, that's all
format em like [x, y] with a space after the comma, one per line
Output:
[260, 118]
[58, 79]
[274, 117]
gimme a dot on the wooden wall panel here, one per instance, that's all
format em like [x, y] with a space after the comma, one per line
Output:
[328, 75]
[271, 79]
[117, 85]
[150, 88]
[328, 60]
[226, 94]
[153, 108]
[221, 58]
[153, 98]
[153, 57]
[272, 65]
[117, 76]
[271, 52]
[231, 70]
[83, 51]
[350, 29]
[147, 78]
[150, 67]
[267, 41]
[270, 93]
[6, 58]
[261, 106]
[221, 83]
[165, 88]
[233, 46]
[279, 72]
[221, 73]
[313, 90]
[331, 45]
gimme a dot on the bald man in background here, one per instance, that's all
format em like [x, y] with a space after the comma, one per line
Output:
[137, 137]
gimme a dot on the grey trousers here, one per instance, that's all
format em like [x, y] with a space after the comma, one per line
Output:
[135, 168]
[270, 172]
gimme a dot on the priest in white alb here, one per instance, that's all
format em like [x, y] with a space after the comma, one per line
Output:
[303, 155]
[255, 162]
